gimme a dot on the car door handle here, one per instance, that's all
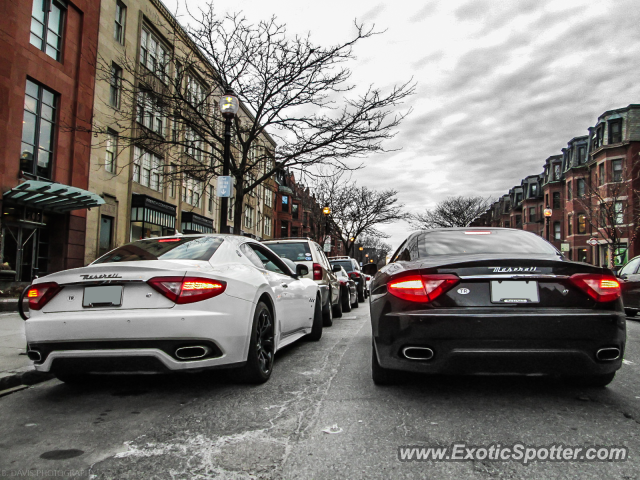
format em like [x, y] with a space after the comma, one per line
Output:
[284, 285]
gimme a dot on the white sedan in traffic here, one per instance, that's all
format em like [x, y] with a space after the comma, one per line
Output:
[178, 303]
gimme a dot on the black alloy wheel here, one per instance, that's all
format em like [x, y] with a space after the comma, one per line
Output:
[327, 312]
[360, 292]
[337, 308]
[261, 347]
[346, 300]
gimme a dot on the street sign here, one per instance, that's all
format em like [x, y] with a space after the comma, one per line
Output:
[327, 245]
[225, 186]
[565, 247]
[592, 241]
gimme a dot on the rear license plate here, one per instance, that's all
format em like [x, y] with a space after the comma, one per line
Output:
[514, 292]
[103, 296]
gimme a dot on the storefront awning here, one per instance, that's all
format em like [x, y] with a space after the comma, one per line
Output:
[52, 197]
[196, 223]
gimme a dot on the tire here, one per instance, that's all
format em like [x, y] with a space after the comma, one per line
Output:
[316, 328]
[337, 308]
[361, 295]
[629, 312]
[356, 303]
[327, 313]
[261, 347]
[346, 301]
[380, 376]
[595, 381]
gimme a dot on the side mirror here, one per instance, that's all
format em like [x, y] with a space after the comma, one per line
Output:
[292, 266]
[336, 268]
[370, 269]
[301, 270]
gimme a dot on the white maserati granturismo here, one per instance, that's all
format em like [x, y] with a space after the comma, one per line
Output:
[188, 302]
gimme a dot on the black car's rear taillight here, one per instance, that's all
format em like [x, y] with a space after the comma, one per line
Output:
[422, 288]
[187, 289]
[602, 288]
[40, 294]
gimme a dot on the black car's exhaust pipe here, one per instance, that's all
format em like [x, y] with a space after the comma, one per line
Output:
[192, 353]
[34, 355]
[608, 354]
[418, 353]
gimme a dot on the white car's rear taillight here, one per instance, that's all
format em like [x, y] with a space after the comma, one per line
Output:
[38, 295]
[187, 289]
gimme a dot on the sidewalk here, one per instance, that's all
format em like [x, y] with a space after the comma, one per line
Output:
[15, 366]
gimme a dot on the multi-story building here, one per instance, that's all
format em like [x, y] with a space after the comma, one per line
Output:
[47, 78]
[591, 190]
[143, 194]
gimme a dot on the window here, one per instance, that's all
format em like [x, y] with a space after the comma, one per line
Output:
[195, 93]
[557, 231]
[598, 138]
[147, 169]
[121, 16]
[154, 55]
[46, 27]
[601, 174]
[569, 193]
[172, 184]
[191, 191]
[582, 224]
[285, 203]
[38, 128]
[532, 214]
[212, 196]
[284, 229]
[581, 155]
[533, 190]
[518, 221]
[115, 86]
[193, 144]
[619, 213]
[556, 200]
[150, 114]
[556, 172]
[268, 197]
[248, 216]
[112, 152]
[615, 131]
[267, 226]
[580, 185]
[249, 179]
[616, 167]
[569, 226]
[106, 235]
[294, 210]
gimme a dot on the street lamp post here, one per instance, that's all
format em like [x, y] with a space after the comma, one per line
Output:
[353, 247]
[547, 217]
[229, 105]
[361, 249]
[326, 211]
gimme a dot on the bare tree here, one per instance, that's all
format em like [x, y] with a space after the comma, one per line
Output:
[289, 87]
[375, 247]
[610, 211]
[453, 212]
[356, 211]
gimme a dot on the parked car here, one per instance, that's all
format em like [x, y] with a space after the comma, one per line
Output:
[494, 300]
[182, 303]
[629, 278]
[349, 291]
[305, 251]
[353, 269]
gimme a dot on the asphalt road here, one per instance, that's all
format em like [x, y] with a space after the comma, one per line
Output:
[207, 426]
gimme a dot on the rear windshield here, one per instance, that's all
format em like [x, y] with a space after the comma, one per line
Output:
[178, 248]
[296, 252]
[346, 264]
[458, 242]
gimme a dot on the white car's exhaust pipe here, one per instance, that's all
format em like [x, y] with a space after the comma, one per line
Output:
[192, 353]
[418, 353]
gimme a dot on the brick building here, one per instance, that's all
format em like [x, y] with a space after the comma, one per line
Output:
[47, 77]
[591, 188]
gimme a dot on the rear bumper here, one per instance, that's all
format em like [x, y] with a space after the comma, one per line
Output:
[124, 339]
[553, 342]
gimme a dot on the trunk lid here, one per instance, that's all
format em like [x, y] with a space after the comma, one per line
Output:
[131, 277]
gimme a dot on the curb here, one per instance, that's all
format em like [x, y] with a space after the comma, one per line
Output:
[30, 377]
[9, 305]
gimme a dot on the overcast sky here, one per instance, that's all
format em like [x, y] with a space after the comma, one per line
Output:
[501, 85]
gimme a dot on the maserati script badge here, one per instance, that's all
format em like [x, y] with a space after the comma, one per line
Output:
[100, 277]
